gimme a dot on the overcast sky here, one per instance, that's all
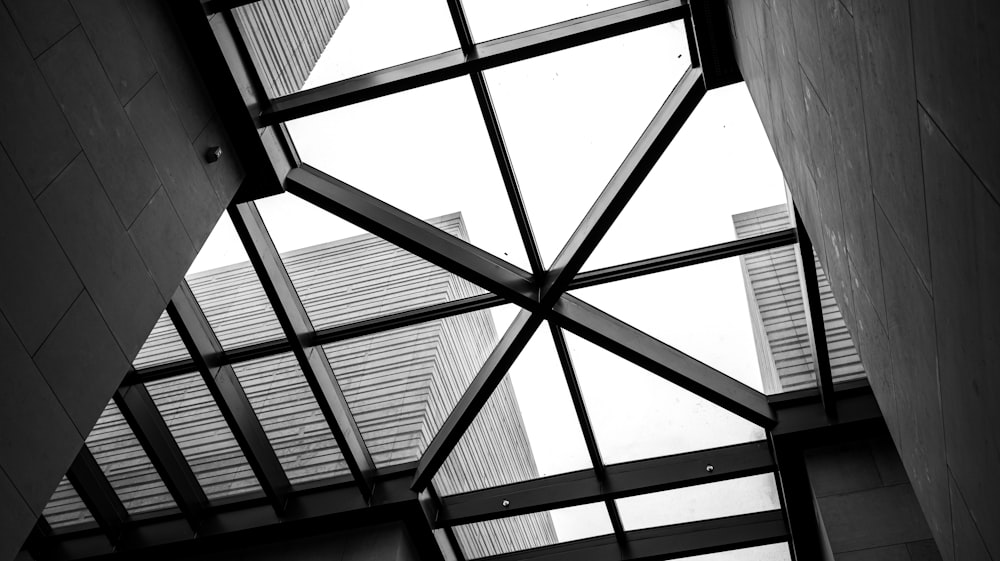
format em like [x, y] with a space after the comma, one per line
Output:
[569, 119]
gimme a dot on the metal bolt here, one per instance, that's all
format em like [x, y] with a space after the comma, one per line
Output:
[505, 503]
[213, 154]
[709, 468]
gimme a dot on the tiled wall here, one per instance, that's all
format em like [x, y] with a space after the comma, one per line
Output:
[883, 116]
[104, 200]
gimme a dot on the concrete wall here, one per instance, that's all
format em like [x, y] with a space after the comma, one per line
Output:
[104, 200]
[883, 117]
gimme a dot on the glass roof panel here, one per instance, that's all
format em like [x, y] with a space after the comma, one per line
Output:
[344, 275]
[203, 436]
[718, 166]
[527, 429]
[700, 502]
[377, 34]
[772, 552]
[638, 415]
[162, 346]
[291, 418]
[126, 465]
[572, 116]
[529, 531]
[402, 384]
[709, 312]
[425, 151]
[65, 507]
[229, 292]
[490, 19]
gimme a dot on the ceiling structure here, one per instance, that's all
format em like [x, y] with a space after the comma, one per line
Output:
[369, 492]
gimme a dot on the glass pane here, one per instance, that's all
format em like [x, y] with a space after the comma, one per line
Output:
[528, 531]
[229, 292]
[773, 552]
[65, 507]
[292, 420]
[571, 117]
[402, 384]
[700, 502]
[637, 415]
[719, 165]
[126, 464]
[162, 346]
[344, 275]
[377, 34]
[490, 19]
[286, 38]
[527, 429]
[425, 151]
[203, 436]
[845, 363]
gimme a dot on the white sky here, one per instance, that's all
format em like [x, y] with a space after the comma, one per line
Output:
[569, 119]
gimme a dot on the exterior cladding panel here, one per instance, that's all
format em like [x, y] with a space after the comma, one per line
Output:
[775, 297]
[286, 38]
[400, 384]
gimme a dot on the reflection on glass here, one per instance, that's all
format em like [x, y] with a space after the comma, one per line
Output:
[343, 276]
[527, 429]
[528, 531]
[490, 19]
[162, 346]
[229, 292]
[571, 117]
[291, 418]
[424, 151]
[125, 464]
[402, 384]
[65, 507]
[638, 415]
[700, 502]
[690, 197]
[773, 552]
[203, 436]
[701, 310]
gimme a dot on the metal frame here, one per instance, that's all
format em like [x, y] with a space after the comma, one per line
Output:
[404, 492]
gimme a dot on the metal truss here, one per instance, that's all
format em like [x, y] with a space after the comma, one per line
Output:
[405, 492]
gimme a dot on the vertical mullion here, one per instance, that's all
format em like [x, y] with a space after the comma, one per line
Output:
[97, 493]
[815, 325]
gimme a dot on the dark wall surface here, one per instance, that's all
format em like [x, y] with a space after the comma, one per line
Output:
[104, 200]
[883, 117]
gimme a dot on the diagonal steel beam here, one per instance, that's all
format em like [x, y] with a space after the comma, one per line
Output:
[483, 56]
[815, 324]
[663, 360]
[299, 330]
[93, 487]
[475, 396]
[413, 235]
[201, 342]
[640, 161]
[140, 412]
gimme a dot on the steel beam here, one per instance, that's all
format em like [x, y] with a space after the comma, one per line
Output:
[687, 258]
[640, 161]
[483, 56]
[413, 235]
[661, 359]
[201, 342]
[475, 396]
[139, 410]
[299, 330]
[95, 490]
[621, 480]
[815, 324]
[667, 542]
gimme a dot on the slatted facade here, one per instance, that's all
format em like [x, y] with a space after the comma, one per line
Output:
[775, 298]
[286, 38]
[400, 385]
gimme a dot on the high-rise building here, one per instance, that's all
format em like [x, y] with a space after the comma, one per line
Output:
[400, 386]
[774, 294]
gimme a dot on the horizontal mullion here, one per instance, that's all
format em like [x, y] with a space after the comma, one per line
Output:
[620, 480]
